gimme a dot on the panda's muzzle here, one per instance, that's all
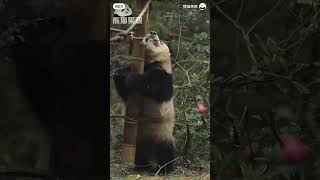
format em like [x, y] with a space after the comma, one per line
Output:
[154, 37]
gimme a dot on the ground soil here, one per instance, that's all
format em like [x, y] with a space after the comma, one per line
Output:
[119, 170]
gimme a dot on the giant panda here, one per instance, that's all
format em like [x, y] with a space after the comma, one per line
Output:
[155, 139]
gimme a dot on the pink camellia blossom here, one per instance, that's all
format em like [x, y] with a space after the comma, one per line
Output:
[202, 108]
[293, 150]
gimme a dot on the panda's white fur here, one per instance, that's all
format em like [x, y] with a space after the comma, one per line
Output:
[158, 119]
[156, 50]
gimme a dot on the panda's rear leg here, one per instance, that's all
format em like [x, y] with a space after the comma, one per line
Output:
[165, 155]
[142, 157]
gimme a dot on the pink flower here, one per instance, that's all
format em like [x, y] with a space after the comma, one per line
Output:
[293, 150]
[202, 108]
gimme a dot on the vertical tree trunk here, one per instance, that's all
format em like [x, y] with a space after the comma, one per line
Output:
[134, 103]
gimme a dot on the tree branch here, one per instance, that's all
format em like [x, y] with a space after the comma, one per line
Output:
[117, 30]
[244, 35]
[279, 2]
[166, 165]
[234, 22]
[180, 29]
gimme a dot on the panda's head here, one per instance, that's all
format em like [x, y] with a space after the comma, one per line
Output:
[153, 37]
[156, 50]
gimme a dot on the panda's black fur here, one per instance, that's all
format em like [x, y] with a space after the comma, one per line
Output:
[154, 83]
[155, 139]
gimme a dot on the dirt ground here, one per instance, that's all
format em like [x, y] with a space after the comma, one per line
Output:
[119, 170]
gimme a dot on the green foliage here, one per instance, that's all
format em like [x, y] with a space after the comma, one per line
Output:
[190, 71]
[254, 110]
[273, 56]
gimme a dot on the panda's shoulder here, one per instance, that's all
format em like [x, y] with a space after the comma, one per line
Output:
[154, 66]
[155, 69]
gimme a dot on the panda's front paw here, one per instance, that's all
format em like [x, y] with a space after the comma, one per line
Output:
[143, 42]
[123, 71]
[132, 80]
[118, 78]
[119, 75]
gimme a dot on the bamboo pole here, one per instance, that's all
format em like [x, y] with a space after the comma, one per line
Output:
[134, 103]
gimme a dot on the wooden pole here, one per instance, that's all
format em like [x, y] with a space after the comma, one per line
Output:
[134, 103]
